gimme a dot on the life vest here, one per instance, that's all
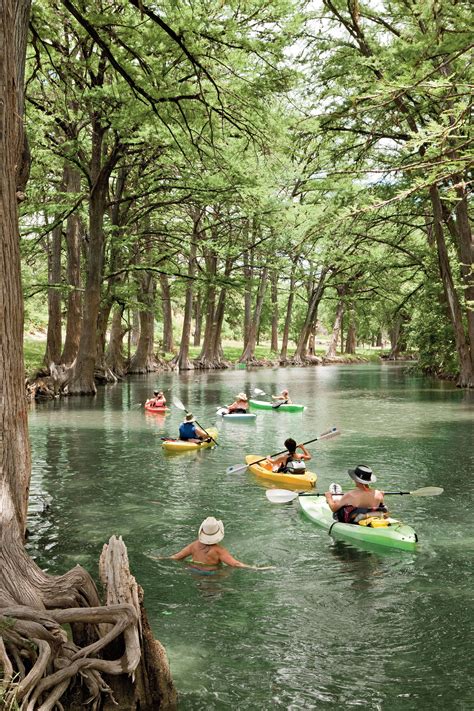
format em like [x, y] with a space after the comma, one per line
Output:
[187, 430]
[354, 514]
[292, 466]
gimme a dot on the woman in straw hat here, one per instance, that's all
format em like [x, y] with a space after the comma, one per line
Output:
[206, 549]
[241, 404]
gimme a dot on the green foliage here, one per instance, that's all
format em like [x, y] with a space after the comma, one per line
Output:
[430, 334]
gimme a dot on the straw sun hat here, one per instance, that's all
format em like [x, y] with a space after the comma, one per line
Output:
[241, 396]
[189, 417]
[211, 531]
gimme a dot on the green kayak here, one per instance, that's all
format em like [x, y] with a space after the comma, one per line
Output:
[395, 535]
[263, 405]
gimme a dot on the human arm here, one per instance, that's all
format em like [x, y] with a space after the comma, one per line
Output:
[200, 432]
[306, 455]
[184, 553]
[228, 559]
[232, 407]
[336, 504]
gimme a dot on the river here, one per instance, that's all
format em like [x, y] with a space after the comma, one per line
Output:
[334, 625]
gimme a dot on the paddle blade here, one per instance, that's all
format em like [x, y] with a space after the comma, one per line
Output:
[280, 496]
[177, 403]
[236, 468]
[257, 391]
[428, 491]
[334, 432]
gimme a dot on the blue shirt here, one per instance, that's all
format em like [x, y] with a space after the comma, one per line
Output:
[187, 430]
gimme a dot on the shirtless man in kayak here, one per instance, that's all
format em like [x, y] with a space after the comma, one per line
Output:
[283, 398]
[361, 501]
[206, 551]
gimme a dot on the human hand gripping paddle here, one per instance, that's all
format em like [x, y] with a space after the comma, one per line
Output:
[333, 432]
[284, 496]
[177, 403]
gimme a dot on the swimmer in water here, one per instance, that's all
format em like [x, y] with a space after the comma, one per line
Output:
[206, 549]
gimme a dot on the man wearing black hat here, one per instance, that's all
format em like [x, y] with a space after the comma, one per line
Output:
[359, 503]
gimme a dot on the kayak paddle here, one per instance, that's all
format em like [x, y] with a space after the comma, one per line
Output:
[284, 496]
[333, 432]
[276, 405]
[257, 391]
[177, 403]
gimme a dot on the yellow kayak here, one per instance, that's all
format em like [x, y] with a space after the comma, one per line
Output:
[180, 445]
[264, 471]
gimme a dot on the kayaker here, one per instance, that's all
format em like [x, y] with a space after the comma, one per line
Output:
[359, 503]
[189, 431]
[206, 551]
[283, 398]
[241, 404]
[158, 399]
[292, 462]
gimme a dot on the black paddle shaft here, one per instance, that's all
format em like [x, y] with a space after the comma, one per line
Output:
[303, 443]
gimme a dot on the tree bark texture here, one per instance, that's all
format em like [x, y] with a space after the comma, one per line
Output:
[182, 361]
[248, 355]
[83, 382]
[466, 371]
[14, 444]
[143, 360]
[332, 346]
[311, 317]
[274, 338]
[74, 299]
[289, 313]
[114, 357]
[53, 337]
[168, 341]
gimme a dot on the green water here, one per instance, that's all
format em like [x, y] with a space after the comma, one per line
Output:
[334, 625]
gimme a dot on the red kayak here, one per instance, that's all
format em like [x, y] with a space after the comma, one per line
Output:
[152, 408]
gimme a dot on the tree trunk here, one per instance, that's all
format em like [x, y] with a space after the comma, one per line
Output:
[351, 341]
[135, 327]
[114, 358]
[197, 320]
[395, 332]
[206, 356]
[466, 371]
[53, 338]
[39, 659]
[143, 360]
[14, 443]
[182, 361]
[331, 351]
[82, 382]
[74, 299]
[168, 342]
[247, 295]
[274, 339]
[311, 317]
[289, 312]
[248, 355]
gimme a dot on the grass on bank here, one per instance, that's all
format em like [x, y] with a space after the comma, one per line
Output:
[34, 350]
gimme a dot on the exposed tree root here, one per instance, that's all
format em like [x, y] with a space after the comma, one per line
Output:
[58, 645]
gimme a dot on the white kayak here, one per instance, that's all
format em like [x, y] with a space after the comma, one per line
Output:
[236, 416]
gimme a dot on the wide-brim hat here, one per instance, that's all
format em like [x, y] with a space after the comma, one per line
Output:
[362, 474]
[241, 396]
[211, 531]
[189, 417]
